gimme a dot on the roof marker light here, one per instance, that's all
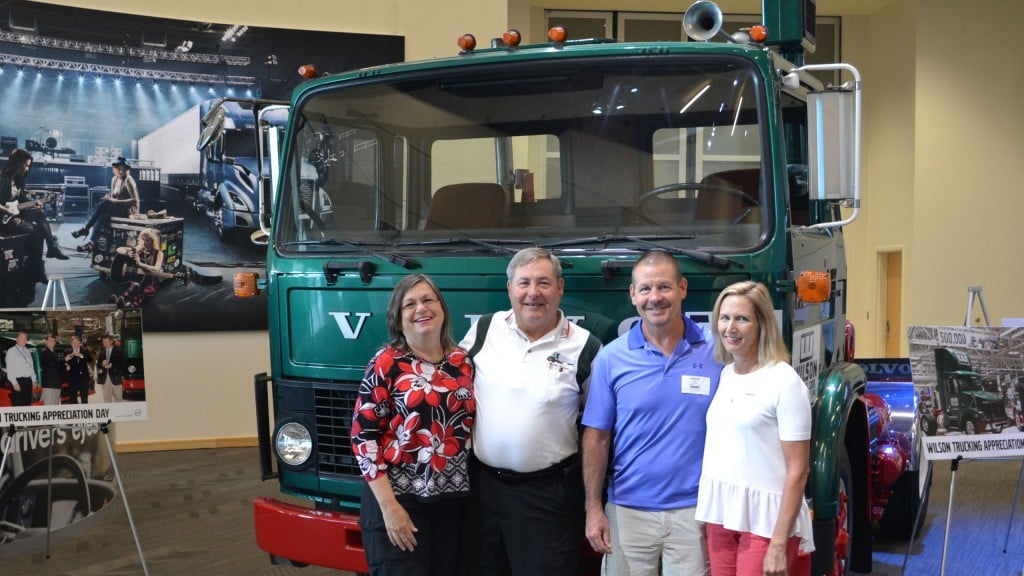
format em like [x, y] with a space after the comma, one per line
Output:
[557, 34]
[758, 33]
[512, 38]
[467, 42]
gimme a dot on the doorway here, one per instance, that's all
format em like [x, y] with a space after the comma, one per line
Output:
[891, 293]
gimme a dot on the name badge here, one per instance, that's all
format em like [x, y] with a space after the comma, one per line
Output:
[696, 385]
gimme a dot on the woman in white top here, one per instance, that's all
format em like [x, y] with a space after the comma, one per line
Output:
[756, 456]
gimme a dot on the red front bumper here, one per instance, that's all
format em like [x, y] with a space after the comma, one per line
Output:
[330, 539]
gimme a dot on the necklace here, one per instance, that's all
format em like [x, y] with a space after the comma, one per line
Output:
[424, 357]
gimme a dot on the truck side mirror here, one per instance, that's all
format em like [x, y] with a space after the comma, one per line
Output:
[213, 128]
[830, 132]
[834, 134]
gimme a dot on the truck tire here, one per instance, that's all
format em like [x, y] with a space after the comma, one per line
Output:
[897, 522]
[929, 425]
[225, 235]
[971, 426]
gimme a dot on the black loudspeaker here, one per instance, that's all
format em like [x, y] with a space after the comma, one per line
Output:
[7, 145]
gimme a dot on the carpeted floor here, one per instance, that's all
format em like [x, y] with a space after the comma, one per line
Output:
[193, 513]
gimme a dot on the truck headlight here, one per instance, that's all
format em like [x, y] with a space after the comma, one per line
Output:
[294, 444]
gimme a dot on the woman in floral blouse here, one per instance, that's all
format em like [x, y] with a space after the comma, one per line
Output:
[411, 436]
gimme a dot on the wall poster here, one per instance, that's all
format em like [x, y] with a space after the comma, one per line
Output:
[971, 384]
[88, 94]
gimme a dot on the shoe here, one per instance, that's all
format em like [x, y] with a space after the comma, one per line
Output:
[42, 278]
[80, 232]
[55, 252]
[87, 248]
[155, 214]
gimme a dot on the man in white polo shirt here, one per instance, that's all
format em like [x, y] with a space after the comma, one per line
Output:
[532, 369]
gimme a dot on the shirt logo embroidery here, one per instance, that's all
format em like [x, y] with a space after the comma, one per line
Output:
[557, 364]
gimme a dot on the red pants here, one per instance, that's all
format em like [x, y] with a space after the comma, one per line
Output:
[741, 553]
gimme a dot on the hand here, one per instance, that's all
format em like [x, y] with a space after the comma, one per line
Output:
[17, 387]
[401, 531]
[775, 560]
[598, 532]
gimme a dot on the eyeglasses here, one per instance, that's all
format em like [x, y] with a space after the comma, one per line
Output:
[429, 302]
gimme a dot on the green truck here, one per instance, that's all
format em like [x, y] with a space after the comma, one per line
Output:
[730, 155]
[964, 404]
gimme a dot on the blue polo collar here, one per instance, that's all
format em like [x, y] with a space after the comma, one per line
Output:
[693, 335]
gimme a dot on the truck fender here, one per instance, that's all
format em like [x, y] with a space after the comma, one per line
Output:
[838, 387]
[840, 429]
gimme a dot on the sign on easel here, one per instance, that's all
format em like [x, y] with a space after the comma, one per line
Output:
[66, 375]
[971, 384]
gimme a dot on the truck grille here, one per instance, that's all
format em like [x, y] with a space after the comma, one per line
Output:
[333, 424]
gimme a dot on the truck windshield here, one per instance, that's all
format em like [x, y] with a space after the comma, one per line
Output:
[552, 152]
[239, 142]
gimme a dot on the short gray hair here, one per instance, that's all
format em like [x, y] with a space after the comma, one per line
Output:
[528, 256]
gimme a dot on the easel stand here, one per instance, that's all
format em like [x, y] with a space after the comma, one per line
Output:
[53, 282]
[954, 465]
[973, 293]
[13, 432]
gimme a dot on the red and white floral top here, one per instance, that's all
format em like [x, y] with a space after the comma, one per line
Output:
[413, 421]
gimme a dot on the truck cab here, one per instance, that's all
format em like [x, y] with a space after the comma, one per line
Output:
[966, 406]
[736, 160]
[230, 163]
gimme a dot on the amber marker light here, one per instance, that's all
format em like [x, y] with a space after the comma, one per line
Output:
[814, 287]
[308, 71]
[245, 285]
[758, 33]
[467, 42]
[512, 38]
[557, 34]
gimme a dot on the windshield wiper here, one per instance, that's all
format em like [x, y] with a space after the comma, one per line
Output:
[492, 244]
[394, 258]
[649, 241]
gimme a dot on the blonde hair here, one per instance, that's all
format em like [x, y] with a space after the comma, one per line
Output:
[771, 348]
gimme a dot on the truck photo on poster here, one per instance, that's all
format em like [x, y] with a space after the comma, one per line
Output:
[142, 147]
[971, 384]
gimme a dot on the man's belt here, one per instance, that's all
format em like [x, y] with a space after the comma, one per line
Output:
[513, 476]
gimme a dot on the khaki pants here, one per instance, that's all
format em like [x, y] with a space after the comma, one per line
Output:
[649, 543]
[51, 396]
[112, 393]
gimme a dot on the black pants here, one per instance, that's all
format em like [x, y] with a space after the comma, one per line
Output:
[22, 397]
[101, 216]
[25, 223]
[438, 537]
[531, 526]
[79, 391]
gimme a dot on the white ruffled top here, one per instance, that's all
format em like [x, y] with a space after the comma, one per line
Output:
[744, 470]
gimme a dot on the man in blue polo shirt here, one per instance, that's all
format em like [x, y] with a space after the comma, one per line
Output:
[650, 388]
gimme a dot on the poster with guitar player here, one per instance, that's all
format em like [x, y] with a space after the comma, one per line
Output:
[101, 171]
